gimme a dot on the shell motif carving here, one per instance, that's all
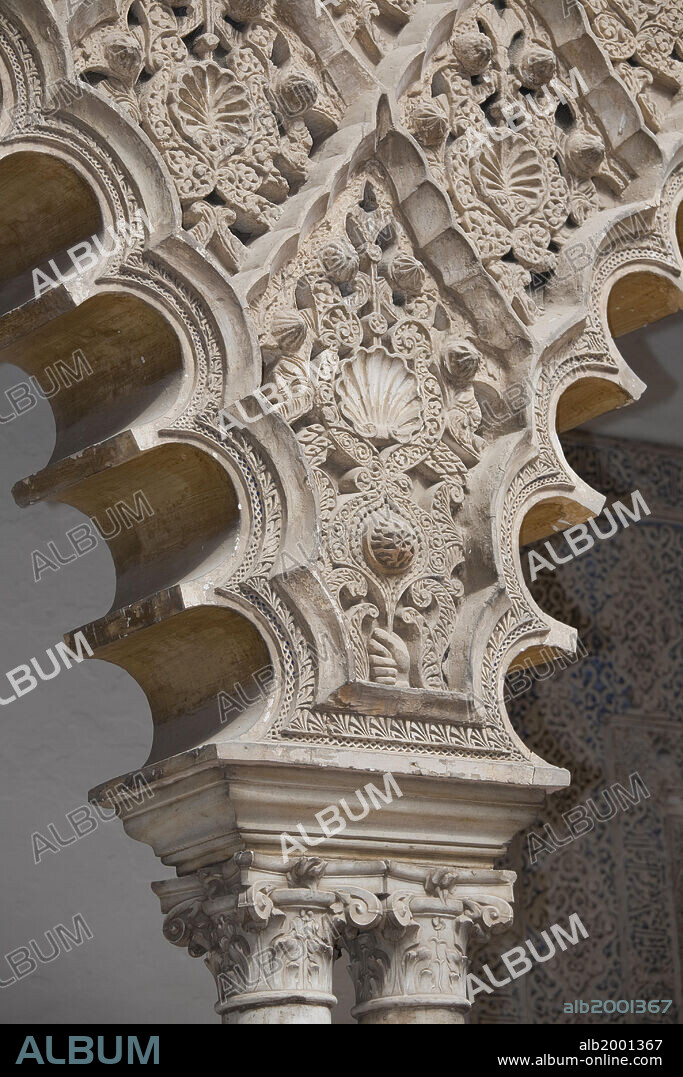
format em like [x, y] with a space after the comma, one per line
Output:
[520, 169]
[389, 429]
[379, 396]
[225, 90]
[212, 109]
[509, 174]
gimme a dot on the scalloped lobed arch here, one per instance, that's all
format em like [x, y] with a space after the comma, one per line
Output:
[121, 354]
[228, 510]
[642, 289]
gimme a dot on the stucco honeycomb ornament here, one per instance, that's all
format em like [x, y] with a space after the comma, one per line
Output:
[368, 296]
[371, 26]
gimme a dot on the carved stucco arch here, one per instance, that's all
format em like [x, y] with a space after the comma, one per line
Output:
[383, 128]
[587, 352]
[218, 347]
[223, 366]
[571, 484]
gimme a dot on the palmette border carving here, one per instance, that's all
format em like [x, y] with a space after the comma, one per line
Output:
[401, 734]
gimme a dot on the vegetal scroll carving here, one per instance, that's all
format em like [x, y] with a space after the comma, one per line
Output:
[229, 103]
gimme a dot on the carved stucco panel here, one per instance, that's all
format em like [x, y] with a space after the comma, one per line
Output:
[644, 40]
[506, 125]
[230, 96]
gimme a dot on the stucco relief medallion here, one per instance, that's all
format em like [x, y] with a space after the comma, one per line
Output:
[228, 93]
[514, 197]
[212, 109]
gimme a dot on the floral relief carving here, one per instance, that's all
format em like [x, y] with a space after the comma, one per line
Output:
[505, 127]
[378, 375]
[528, 202]
[229, 103]
[644, 40]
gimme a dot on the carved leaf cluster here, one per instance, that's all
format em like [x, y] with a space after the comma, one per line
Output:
[228, 103]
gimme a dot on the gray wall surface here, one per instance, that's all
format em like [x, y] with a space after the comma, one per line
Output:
[88, 724]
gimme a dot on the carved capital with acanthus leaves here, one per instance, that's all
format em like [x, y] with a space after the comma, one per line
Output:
[270, 933]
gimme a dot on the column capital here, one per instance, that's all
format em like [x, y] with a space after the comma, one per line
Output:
[268, 941]
[410, 964]
[269, 932]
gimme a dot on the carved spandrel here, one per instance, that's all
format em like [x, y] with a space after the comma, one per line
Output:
[229, 95]
[378, 373]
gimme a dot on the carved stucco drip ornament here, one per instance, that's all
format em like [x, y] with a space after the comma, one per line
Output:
[342, 245]
[644, 41]
[371, 26]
